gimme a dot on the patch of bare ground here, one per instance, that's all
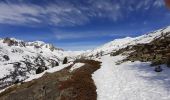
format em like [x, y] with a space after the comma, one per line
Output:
[61, 85]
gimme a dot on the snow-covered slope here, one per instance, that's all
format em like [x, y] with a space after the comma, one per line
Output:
[124, 42]
[19, 59]
[131, 81]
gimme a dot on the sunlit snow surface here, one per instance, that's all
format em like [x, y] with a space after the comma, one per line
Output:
[76, 66]
[131, 81]
[52, 70]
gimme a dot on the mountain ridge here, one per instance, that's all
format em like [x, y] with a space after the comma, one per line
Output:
[114, 56]
[19, 59]
[117, 44]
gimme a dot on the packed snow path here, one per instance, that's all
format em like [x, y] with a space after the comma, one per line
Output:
[130, 81]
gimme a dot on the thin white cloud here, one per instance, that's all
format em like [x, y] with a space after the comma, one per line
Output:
[77, 36]
[65, 15]
[159, 3]
[106, 9]
[52, 14]
[18, 14]
[79, 47]
[69, 13]
[83, 45]
[90, 34]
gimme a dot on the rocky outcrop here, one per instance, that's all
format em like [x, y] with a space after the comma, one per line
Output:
[6, 57]
[13, 42]
[157, 51]
[65, 61]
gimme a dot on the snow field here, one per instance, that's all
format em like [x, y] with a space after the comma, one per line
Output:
[76, 66]
[130, 81]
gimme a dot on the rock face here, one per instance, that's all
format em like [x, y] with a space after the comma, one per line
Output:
[61, 85]
[19, 59]
[13, 42]
[6, 57]
[40, 69]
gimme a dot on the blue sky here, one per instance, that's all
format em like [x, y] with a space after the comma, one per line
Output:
[80, 24]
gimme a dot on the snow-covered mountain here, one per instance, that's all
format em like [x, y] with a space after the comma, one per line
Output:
[19, 59]
[117, 44]
[118, 70]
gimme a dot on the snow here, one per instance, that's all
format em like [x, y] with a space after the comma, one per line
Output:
[51, 70]
[127, 41]
[29, 53]
[76, 66]
[4, 71]
[130, 81]
[5, 88]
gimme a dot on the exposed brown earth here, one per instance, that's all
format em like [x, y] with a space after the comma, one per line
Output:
[61, 85]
